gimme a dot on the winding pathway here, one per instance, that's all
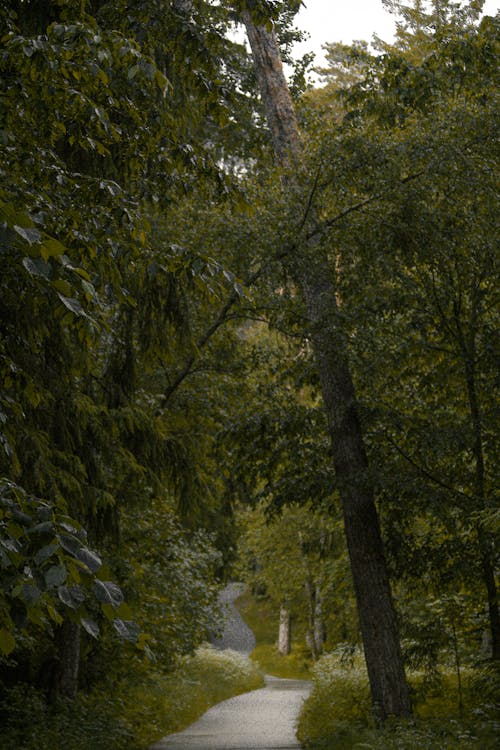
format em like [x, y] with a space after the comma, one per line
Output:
[262, 719]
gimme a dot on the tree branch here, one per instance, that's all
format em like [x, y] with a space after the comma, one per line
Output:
[234, 296]
[425, 472]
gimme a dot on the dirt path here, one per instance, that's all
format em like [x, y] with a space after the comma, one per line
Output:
[262, 719]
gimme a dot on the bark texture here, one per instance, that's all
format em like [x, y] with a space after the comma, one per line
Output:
[316, 632]
[68, 660]
[312, 272]
[284, 635]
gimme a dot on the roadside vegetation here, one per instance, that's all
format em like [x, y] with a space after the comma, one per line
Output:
[338, 713]
[130, 713]
[455, 693]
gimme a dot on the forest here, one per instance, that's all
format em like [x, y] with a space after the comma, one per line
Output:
[248, 331]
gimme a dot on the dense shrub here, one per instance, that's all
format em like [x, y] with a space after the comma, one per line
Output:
[338, 713]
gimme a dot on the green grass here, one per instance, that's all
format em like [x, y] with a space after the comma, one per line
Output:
[296, 666]
[130, 714]
[170, 703]
[337, 714]
[262, 619]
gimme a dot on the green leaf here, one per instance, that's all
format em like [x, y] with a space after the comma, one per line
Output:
[72, 304]
[127, 629]
[108, 592]
[11, 544]
[7, 642]
[44, 553]
[70, 544]
[71, 596]
[45, 527]
[92, 561]
[55, 576]
[32, 236]
[109, 611]
[62, 286]
[30, 594]
[90, 626]
[72, 526]
[37, 267]
[51, 248]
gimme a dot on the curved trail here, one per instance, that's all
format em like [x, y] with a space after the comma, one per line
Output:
[236, 634]
[262, 719]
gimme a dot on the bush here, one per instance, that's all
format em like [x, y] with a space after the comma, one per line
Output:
[132, 713]
[297, 665]
[337, 714]
[89, 723]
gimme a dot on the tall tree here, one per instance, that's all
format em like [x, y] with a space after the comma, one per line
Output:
[311, 270]
[427, 254]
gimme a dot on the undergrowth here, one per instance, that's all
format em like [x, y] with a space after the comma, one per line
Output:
[337, 714]
[129, 714]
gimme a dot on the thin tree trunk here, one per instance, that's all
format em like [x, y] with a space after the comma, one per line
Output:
[311, 605]
[319, 622]
[486, 550]
[285, 632]
[314, 276]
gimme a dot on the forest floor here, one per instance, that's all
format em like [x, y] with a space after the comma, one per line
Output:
[263, 719]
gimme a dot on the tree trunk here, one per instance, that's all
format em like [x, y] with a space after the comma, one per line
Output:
[68, 660]
[492, 594]
[311, 605]
[486, 546]
[316, 632]
[312, 272]
[319, 623]
[284, 635]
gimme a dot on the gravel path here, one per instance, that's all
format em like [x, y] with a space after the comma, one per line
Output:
[262, 719]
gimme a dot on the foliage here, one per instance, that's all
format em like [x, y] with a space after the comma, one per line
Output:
[138, 710]
[28, 722]
[139, 218]
[294, 666]
[102, 130]
[47, 569]
[415, 266]
[171, 587]
[293, 556]
[262, 619]
[338, 713]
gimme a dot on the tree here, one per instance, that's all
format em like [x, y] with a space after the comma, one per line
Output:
[434, 234]
[102, 128]
[313, 273]
[296, 558]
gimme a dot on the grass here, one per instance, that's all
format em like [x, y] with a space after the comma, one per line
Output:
[262, 619]
[131, 714]
[170, 703]
[337, 714]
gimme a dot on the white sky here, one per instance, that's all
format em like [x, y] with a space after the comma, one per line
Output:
[346, 20]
